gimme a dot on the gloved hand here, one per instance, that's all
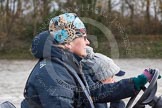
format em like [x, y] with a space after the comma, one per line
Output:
[142, 79]
[139, 81]
[149, 74]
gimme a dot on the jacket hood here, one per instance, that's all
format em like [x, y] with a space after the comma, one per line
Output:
[41, 45]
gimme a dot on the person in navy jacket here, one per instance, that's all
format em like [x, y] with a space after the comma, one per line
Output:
[57, 80]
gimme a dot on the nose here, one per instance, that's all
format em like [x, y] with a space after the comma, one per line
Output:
[87, 42]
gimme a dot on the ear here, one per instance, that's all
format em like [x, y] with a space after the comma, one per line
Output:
[68, 46]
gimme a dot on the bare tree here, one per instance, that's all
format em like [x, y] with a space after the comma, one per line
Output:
[1, 6]
[35, 5]
[148, 11]
[112, 4]
[155, 9]
[109, 6]
[19, 8]
[122, 8]
[45, 5]
[131, 4]
[160, 7]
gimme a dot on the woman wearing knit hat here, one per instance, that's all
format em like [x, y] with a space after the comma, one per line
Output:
[57, 80]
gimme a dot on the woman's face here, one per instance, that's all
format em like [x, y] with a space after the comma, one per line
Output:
[78, 46]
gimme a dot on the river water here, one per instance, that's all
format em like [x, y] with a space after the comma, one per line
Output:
[14, 73]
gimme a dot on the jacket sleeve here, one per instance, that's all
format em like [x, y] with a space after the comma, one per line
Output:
[111, 92]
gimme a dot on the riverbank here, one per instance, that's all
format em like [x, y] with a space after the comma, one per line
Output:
[134, 46]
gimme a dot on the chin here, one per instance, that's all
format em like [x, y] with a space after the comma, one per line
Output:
[81, 54]
[84, 54]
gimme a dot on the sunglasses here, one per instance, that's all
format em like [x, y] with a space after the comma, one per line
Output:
[85, 38]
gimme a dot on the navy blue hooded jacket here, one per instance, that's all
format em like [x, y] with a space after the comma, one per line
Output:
[52, 84]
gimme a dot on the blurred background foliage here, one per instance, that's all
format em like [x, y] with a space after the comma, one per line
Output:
[135, 24]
